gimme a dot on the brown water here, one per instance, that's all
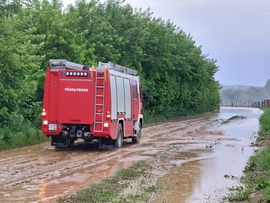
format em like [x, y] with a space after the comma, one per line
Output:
[206, 177]
[196, 159]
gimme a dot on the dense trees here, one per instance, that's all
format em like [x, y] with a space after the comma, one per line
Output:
[173, 69]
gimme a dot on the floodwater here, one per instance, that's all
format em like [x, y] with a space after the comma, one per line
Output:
[195, 159]
[207, 178]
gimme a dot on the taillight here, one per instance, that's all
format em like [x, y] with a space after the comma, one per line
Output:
[45, 122]
[108, 115]
[43, 112]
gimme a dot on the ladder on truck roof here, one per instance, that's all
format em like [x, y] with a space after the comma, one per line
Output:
[62, 64]
[118, 68]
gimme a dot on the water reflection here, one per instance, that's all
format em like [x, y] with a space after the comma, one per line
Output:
[49, 190]
[208, 179]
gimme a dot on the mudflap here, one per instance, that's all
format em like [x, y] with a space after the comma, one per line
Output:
[107, 143]
[59, 141]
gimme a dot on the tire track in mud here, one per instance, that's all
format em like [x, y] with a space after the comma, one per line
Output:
[32, 171]
[27, 166]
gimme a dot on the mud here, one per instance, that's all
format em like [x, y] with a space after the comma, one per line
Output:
[194, 160]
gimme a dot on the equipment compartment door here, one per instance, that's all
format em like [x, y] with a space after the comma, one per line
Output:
[135, 97]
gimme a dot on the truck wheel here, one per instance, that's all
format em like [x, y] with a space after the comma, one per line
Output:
[137, 139]
[70, 142]
[119, 140]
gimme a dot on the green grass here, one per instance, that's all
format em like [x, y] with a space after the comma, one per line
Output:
[256, 177]
[22, 135]
[265, 121]
[237, 193]
[150, 118]
[264, 134]
[109, 189]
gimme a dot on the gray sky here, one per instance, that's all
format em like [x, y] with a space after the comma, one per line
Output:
[234, 32]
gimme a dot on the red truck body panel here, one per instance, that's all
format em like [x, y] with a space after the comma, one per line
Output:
[90, 104]
[68, 100]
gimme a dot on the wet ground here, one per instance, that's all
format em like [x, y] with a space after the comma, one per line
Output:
[194, 160]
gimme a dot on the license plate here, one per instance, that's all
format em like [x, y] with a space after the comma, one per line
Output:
[52, 126]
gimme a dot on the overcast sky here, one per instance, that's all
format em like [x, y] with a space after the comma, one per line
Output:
[234, 32]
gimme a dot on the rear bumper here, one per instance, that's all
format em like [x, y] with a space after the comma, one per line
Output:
[48, 132]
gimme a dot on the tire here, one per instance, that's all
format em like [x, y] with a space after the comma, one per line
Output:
[70, 142]
[119, 140]
[137, 139]
[59, 141]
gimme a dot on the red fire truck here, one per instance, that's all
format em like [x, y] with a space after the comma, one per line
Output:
[94, 104]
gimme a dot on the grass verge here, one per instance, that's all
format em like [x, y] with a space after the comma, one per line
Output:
[21, 136]
[256, 178]
[110, 189]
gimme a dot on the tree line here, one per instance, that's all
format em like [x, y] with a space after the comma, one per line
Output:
[178, 76]
[245, 93]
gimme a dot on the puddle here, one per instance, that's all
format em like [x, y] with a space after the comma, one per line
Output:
[207, 158]
[208, 179]
[60, 182]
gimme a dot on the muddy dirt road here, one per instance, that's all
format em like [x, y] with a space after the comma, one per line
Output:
[194, 160]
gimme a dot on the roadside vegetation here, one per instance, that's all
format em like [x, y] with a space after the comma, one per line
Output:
[109, 189]
[256, 179]
[24, 135]
[177, 78]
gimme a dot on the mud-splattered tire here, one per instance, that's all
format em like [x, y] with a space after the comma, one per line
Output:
[70, 142]
[137, 139]
[119, 140]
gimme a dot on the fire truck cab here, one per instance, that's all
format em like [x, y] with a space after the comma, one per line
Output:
[93, 104]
